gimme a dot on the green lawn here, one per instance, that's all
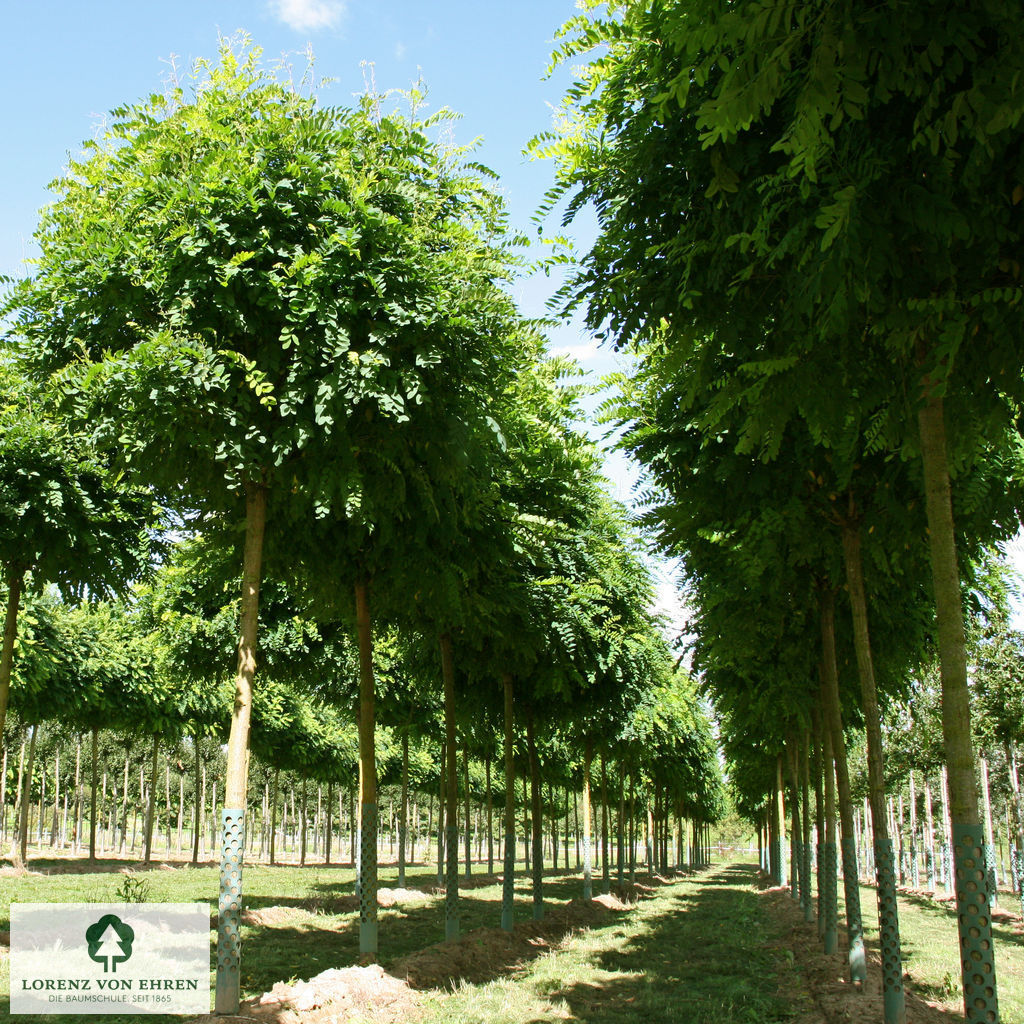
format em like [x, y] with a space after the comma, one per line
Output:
[707, 949]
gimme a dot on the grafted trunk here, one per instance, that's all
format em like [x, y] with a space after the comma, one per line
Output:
[974, 921]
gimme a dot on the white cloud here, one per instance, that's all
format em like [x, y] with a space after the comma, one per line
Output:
[400, 51]
[309, 15]
[582, 352]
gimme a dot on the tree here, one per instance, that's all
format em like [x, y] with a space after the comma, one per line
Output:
[821, 145]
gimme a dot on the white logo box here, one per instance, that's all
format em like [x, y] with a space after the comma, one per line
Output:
[122, 958]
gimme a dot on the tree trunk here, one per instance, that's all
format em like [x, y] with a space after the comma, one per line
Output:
[606, 880]
[468, 839]
[490, 815]
[329, 823]
[990, 846]
[26, 794]
[1018, 816]
[819, 810]
[620, 832]
[537, 814]
[929, 848]
[782, 878]
[915, 874]
[92, 800]
[509, 867]
[895, 1012]
[15, 585]
[229, 946]
[827, 867]
[303, 824]
[451, 898]
[367, 781]
[151, 806]
[588, 754]
[403, 812]
[974, 920]
[197, 819]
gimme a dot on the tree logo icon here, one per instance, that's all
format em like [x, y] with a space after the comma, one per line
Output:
[110, 942]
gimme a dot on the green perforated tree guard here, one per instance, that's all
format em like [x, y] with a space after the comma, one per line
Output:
[889, 926]
[929, 867]
[588, 885]
[368, 880]
[229, 912]
[990, 874]
[977, 964]
[819, 869]
[830, 893]
[915, 868]
[796, 859]
[806, 899]
[508, 884]
[854, 924]
[451, 892]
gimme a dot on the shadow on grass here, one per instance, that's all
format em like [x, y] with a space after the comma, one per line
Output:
[705, 958]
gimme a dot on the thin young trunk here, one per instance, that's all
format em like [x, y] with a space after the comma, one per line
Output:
[92, 800]
[468, 839]
[929, 824]
[451, 897]
[329, 823]
[1018, 815]
[606, 880]
[782, 878]
[367, 781]
[509, 868]
[827, 870]
[990, 846]
[893, 990]
[151, 806]
[15, 584]
[805, 795]
[403, 813]
[819, 814]
[632, 827]
[915, 874]
[56, 796]
[538, 820]
[973, 918]
[26, 792]
[197, 819]
[181, 812]
[77, 812]
[620, 832]
[229, 947]
[588, 754]
[303, 824]
[490, 815]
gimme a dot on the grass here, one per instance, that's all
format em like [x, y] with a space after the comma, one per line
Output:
[703, 949]
[930, 951]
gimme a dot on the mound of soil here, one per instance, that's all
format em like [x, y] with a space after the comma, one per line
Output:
[838, 1000]
[391, 897]
[336, 994]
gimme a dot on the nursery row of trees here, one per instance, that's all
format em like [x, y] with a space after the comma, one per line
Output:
[809, 239]
[269, 350]
[303, 820]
